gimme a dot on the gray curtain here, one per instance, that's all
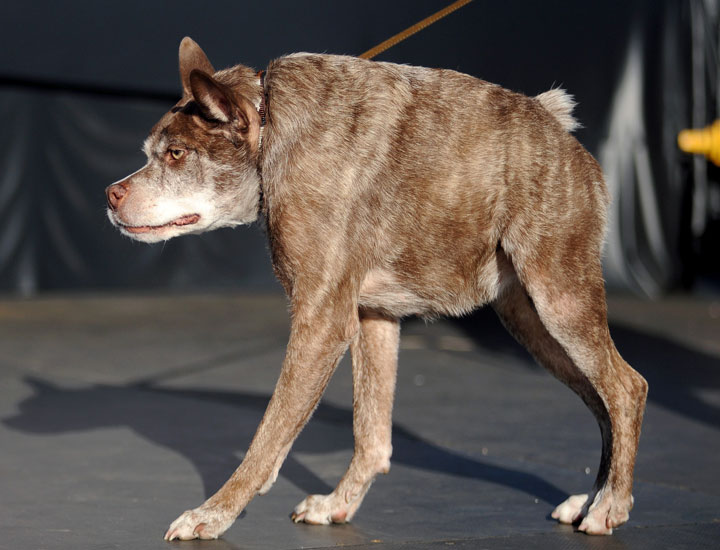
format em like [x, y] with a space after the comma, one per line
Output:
[75, 109]
[59, 151]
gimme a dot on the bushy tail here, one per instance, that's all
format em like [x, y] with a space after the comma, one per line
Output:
[560, 104]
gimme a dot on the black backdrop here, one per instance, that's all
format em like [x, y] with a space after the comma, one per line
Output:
[81, 83]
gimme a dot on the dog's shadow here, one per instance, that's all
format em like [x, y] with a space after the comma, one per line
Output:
[211, 429]
[675, 372]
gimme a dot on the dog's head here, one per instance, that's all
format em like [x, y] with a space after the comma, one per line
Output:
[201, 172]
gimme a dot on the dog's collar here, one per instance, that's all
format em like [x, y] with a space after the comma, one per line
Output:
[262, 111]
[262, 108]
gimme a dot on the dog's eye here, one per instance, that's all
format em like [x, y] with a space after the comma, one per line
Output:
[177, 154]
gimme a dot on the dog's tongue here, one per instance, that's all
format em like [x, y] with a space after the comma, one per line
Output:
[186, 220]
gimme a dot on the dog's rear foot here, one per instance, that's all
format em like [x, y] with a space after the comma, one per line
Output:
[599, 518]
[324, 510]
[570, 511]
[199, 524]
[605, 513]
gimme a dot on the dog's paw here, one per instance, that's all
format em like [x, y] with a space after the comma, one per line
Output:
[323, 510]
[570, 511]
[598, 518]
[604, 514]
[199, 523]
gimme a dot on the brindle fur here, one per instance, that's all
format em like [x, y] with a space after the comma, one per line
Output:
[389, 191]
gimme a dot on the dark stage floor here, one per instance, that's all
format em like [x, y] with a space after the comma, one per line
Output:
[118, 413]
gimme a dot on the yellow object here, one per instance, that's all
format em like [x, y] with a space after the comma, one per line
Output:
[705, 141]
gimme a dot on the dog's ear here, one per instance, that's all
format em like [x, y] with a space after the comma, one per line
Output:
[218, 102]
[192, 58]
[213, 99]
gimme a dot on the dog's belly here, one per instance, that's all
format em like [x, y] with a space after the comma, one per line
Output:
[381, 291]
[427, 295]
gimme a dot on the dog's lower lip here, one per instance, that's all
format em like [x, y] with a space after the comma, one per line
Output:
[183, 220]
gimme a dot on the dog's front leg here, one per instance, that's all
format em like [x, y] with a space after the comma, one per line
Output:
[374, 355]
[318, 338]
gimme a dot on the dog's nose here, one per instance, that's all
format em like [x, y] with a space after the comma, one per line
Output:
[115, 194]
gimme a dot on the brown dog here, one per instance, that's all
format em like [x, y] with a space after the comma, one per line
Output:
[389, 191]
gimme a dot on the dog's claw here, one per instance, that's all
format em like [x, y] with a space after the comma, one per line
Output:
[199, 524]
[590, 526]
[324, 510]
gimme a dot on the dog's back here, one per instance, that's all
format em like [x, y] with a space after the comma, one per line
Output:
[420, 175]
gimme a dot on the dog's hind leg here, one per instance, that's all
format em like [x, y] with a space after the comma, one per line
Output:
[374, 356]
[564, 326]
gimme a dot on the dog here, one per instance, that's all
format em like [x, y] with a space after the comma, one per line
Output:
[389, 191]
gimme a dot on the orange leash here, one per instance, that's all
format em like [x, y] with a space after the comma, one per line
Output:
[392, 41]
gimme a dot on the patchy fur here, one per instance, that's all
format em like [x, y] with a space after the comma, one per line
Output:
[389, 191]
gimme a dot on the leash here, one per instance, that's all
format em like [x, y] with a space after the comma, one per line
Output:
[380, 48]
[373, 52]
[417, 27]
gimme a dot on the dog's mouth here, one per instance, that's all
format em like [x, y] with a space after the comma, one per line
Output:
[189, 219]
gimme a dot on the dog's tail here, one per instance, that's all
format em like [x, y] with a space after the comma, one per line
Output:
[560, 104]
